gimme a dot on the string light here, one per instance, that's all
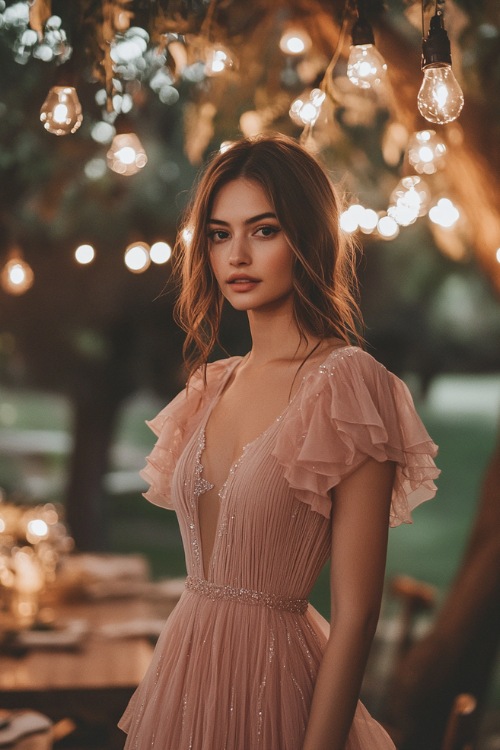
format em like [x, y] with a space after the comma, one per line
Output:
[61, 112]
[426, 152]
[126, 155]
[409, 200]
[137, 258]
[295, 42]
[498, 255]
[368, 221]
[160, 252]
[84, 254]
[305, 111]
[387, 227]
[350, 218]
[444, 213]
[365, 66]
[217, 60]
[17, 276]
[440, 98]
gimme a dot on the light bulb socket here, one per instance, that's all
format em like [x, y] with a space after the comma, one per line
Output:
[362, 33]
[436, 48]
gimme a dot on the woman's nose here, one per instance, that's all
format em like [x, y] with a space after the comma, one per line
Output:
[239, 254]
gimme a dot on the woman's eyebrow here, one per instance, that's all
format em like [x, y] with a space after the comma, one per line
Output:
[251, 220]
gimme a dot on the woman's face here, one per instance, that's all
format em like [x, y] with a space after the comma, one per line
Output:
[249, 254]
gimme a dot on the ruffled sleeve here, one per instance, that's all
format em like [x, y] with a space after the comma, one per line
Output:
[173, 427]
[351, 409]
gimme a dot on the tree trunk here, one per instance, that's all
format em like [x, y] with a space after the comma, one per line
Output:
[94, 423]
[459, 653]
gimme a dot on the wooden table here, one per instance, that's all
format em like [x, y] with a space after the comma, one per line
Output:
[91, 685]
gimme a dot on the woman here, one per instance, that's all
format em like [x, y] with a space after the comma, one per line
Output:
[304, 449]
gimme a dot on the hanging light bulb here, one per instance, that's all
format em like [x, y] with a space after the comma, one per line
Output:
[126, 154]
[409, 200]
[137, 258]
[61, 112]
[295, 42]
[160, 252]
[306, 110]
[387, 227]
[426, 152]
[16, 276]
[365, 67]
[218, 59]
[444, 213]
[440, 98]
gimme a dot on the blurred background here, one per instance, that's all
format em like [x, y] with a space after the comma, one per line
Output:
[108, 109]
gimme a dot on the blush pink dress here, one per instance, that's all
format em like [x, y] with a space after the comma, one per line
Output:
[236, 664]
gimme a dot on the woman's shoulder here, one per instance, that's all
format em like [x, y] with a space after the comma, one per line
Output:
[349, 355]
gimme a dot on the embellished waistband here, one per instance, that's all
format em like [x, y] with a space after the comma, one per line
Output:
[244, 596]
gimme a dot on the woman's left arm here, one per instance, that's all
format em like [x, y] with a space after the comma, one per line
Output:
[360, 521]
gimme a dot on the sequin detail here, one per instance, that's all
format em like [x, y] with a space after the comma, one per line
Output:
[245, 596]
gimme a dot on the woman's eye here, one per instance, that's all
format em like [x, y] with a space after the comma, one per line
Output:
[267, 231]
[217, 235]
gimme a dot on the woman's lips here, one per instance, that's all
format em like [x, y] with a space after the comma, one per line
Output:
[242, 283]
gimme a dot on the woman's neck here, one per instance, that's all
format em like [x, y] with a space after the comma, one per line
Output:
[276, 337]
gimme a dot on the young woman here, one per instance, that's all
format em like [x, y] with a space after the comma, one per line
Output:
[303, 450]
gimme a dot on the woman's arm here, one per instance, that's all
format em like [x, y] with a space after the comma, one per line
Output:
[360, 521]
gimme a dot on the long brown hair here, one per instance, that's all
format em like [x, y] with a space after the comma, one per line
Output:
[307, 207]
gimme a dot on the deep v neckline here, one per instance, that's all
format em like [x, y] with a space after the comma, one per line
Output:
[257, 438]
[204, 484]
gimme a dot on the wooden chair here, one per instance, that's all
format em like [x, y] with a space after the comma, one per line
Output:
[461, 726]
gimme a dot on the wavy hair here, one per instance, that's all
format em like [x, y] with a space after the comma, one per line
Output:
[307, 207]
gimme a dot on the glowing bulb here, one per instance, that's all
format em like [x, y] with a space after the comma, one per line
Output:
[498, 255]
[409, 200]
[37, 529]
[295, 42]
[347, 222]
[440, 98]
[217, 60]
[350, 219]
[426, 152]
[365, 67]
[160, 252]
[61, 112]
[444, 213]
[17, 276]
[368, 221]
[126, 155]
[84, 254]
[306, 111]
[137, 257]
[387, 227]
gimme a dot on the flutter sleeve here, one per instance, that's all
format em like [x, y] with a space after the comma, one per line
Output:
[173, 427]
[352, 409]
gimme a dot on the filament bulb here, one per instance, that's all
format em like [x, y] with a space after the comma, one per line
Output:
[61, 112]
[365, 67]
[126, 155]
[440, 98]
